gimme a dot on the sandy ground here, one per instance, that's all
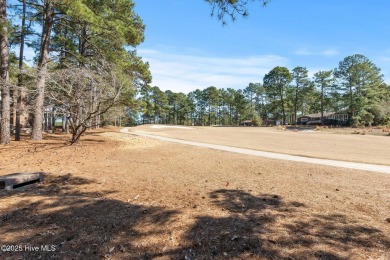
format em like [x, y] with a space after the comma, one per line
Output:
[272, 155]
[120, 196]
[336, 144]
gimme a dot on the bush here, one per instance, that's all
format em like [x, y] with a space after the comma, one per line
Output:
[355, 121]
[367, 118]
[362, 119]
[257, 122]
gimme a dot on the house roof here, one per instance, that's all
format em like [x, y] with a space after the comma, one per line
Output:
[319, 114]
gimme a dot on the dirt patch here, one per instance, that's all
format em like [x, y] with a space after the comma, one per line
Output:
[336, 144]
[118, 196]
[271, 155]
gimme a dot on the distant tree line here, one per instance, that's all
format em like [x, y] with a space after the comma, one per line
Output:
[355, 87]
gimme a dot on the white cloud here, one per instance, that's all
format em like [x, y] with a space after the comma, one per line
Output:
[327, 52]
[186, 72]
[303, 52]
[384, 58]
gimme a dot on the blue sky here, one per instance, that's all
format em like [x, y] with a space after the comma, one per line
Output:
[188, 49]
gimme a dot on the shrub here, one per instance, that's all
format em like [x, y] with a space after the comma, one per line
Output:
[257, 122]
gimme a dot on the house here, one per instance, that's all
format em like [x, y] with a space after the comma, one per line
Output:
[247, 123]
[330, 118]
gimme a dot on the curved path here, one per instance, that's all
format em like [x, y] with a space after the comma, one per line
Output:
[278, 156]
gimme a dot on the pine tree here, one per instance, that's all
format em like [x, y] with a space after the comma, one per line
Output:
[324, 80]
[276, 83]
[5, 133]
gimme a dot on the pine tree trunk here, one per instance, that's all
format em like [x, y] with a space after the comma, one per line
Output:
[322, 105]
[296, 105]
[283, 109]
[230, 114]
[21, 111]
[98, 120]
[14, 96]
[63, 123]
[67, 125]
[5, 135]
[42, 71]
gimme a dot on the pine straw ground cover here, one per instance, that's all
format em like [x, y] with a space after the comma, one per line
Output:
[119, 196]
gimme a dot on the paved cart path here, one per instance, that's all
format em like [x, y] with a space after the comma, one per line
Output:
[278, 156]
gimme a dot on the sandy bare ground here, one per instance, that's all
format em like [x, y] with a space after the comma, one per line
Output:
[337, 145]
[272, 155]
[117, 196]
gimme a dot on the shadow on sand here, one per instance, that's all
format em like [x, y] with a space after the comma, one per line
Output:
[86, 225]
